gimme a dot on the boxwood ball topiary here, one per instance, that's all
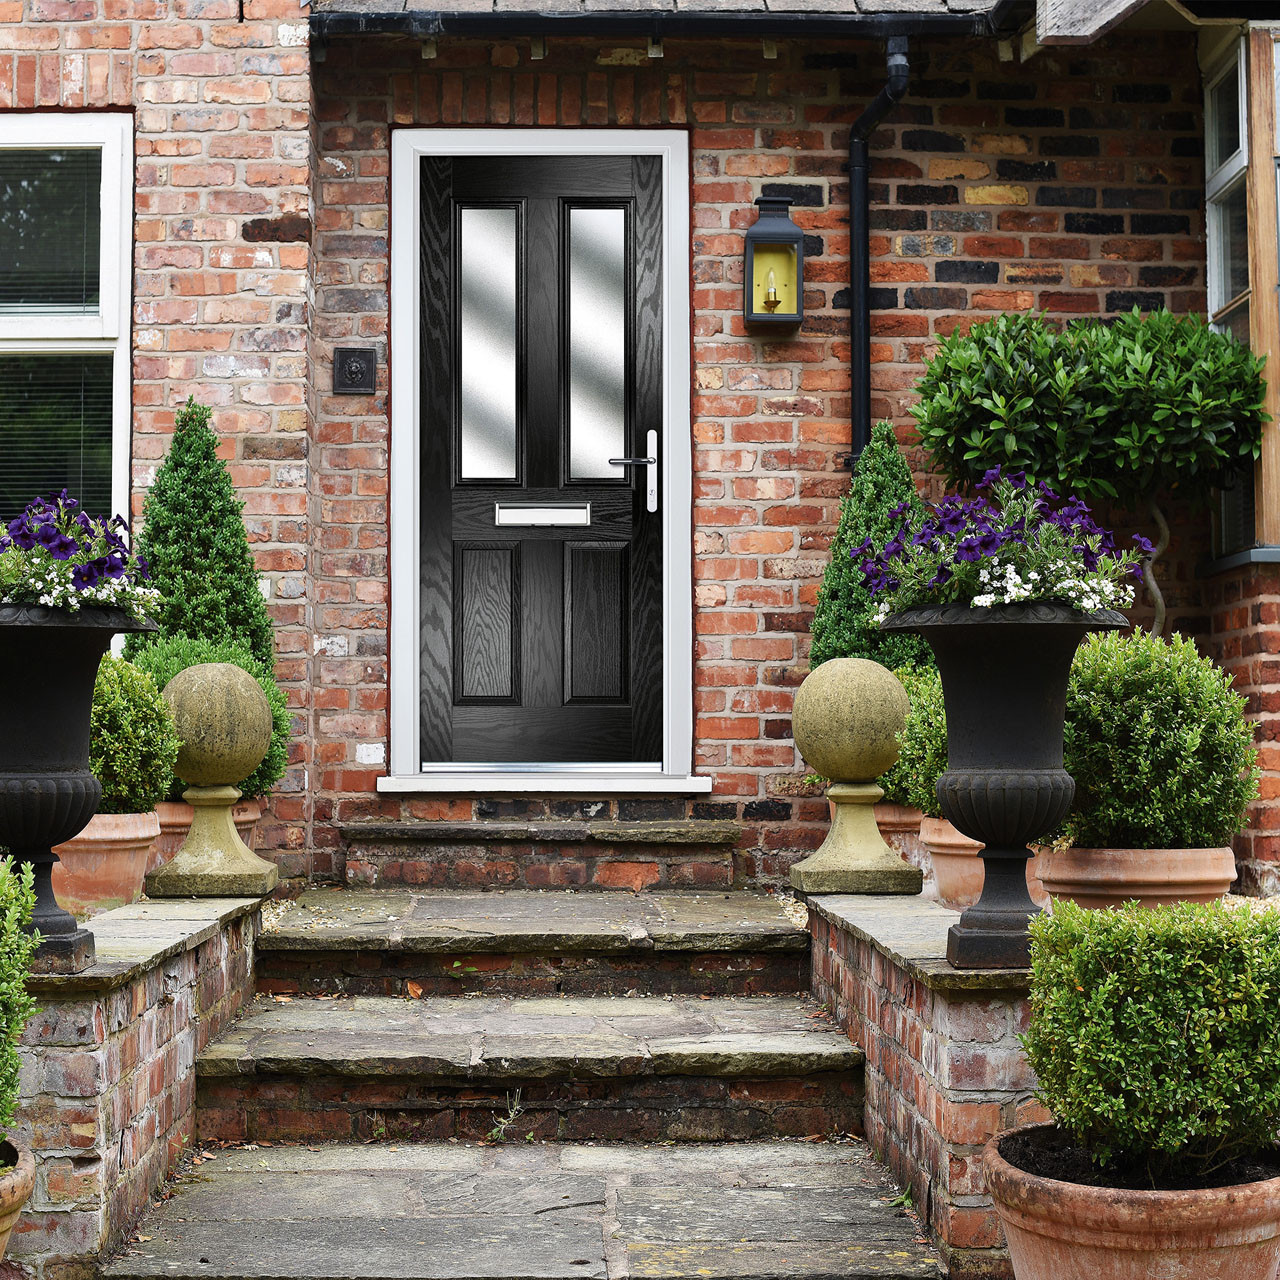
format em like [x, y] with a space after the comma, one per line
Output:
[847, 717]
[223, 720]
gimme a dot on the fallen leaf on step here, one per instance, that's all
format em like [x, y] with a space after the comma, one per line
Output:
[414, 989]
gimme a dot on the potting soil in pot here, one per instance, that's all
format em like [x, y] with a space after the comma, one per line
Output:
[1050, 1153]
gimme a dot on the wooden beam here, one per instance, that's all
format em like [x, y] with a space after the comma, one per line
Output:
[1080, 21]
[1264, 273]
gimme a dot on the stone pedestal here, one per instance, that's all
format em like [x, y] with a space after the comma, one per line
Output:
[854, 857]
[847, 717]
[224, 722]
[213, 862]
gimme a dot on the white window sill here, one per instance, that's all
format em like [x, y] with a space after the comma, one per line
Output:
[497, 782]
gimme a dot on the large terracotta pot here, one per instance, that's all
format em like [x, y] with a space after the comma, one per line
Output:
[1108, 877]
[15, 1187]
[175, 821]
[103, 867]
[1065, 1231]
[1004, 672]
[958, 869]
[899, 826]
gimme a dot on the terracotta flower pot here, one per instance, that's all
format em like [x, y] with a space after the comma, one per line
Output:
[175, 821]
[1108, 877]
[1066, 1231]
[899, 826]
[958, 870]
[15, 1187]
[104, 865]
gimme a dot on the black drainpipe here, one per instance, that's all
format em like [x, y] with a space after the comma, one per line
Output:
[859, 246]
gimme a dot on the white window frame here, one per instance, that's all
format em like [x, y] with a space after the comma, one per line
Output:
[409, 773]
[107, 331]
[1231, 173]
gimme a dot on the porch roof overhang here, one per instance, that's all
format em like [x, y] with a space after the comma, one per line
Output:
[855, 19]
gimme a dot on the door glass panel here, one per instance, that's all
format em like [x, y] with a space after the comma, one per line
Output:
[487, 344]
[597, 342]
[50, 216]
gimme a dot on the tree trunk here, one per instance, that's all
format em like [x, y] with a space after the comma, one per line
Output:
[1148, 574]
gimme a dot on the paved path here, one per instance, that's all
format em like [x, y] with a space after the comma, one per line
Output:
[775, 1211]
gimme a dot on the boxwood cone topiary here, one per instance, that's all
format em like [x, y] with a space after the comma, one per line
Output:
[1154, 1034]
[17, 947]
[1125, 410]
[132, 743]
[166, 657]
[195, 543]
[1158, 744]
[843, 626]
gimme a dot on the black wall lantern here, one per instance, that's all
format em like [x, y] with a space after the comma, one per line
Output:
[773, 273]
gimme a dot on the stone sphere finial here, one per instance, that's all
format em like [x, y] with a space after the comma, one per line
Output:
[223, 720]
[847, 717]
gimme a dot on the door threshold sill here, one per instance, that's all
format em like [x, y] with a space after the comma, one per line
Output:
[498, 782]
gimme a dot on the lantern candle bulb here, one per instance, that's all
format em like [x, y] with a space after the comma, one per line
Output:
[771, 299]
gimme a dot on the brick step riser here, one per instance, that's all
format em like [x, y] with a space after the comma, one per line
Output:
[381, 973]
[537, 865]
[636, 1109]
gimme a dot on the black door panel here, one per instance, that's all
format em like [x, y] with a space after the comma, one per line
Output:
[541, 589]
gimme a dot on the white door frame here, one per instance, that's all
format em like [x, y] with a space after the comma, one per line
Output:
[408, 771]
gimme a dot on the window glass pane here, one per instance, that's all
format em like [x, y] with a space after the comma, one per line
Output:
[597, 342]
[1231, 228]
[49, 224]
[1224, 118]
[55, 430]
[487, 344]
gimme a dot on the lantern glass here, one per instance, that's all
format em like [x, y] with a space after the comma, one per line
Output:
[774, 279]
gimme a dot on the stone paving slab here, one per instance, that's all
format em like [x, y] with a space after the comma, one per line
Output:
[738, 1211]
[531, 920]
[501, 1038]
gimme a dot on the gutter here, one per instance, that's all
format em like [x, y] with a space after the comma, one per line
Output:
[423, 24]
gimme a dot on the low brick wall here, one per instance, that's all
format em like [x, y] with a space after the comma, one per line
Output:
[944, 1069]
[108, 1072]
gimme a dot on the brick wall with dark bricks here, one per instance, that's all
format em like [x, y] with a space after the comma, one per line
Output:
[1072, 184]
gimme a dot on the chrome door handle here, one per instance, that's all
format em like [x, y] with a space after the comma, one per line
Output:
[650, 464]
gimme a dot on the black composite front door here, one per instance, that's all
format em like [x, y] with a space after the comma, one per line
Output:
[541, 430]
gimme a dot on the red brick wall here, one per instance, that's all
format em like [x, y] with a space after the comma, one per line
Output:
[219, 91]
[1073, 184]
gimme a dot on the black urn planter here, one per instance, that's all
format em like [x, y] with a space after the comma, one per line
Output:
[1004, 675]
[50, 657]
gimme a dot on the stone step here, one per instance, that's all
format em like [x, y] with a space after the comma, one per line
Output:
[744, 1211]
[679, 854]
[577, 1068]
[532, 942]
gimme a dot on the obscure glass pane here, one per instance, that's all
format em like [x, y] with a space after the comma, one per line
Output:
[49, 225]
[597, 342]
[487, 344]
[1231, 228]
[55, 430]
[1224, 119]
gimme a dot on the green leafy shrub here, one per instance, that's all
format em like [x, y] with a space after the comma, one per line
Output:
[1154, 1033]
[1157, 742]
[17, 947]
[166, 657]
[195, 543]
[132, 742]
[843, 625]
[1126, 410]
[922, 742]
[1100, 410]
